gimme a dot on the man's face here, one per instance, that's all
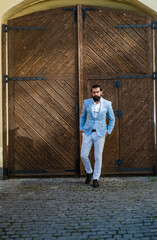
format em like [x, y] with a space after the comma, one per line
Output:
[96, 94]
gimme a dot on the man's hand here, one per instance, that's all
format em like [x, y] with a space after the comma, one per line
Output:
[82, 131]
[106, 134]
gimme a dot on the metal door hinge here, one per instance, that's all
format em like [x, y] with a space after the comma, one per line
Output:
[6, 79]
[153, 25]
[118, 113]
[74, 10]
[117, 84]
[84, 12]
[6, 28]
[119, 162]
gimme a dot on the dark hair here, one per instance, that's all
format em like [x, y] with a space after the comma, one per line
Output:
[96, 86]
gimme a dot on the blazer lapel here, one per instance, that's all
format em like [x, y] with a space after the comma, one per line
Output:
[90, 105]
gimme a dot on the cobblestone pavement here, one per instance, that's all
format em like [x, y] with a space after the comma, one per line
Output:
[66, 208]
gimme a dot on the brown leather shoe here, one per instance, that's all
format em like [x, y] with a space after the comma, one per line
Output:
[95, 183]
[88, 178]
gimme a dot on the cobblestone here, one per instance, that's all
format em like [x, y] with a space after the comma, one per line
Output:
[66, 208]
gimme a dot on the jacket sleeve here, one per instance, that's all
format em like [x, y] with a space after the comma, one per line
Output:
[111, 116]
[83, 116]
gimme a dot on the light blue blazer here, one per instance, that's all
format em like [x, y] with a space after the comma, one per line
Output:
[87, 120]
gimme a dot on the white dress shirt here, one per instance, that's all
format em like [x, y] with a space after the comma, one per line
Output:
[95, 109]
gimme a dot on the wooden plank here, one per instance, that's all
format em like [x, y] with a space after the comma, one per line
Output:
[137, 32]
[126, 17]
[39, 143]
[114, 56]
[39, 44]
[59, 92]
[26, 155]
[21, 156]
[155, 67]
[120, 41]
[65, 49]
[155, 96]
[138, 39]
[99, 62]
[80, 69]
[4, 109]
[105, 57]
[149, 48]
[136, 124]
[42, 14]
[101, 76]
[47, 126]
[137, 128]
[45, 135]
[11, 123]
[66, 86]
[122, 172]
[58, 55]
[155, 36]
[50, 105]
[59, 128]
[38, 151]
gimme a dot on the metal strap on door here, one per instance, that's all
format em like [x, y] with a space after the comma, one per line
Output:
[6, 79]
[153, 25]
[153, 76]
[6, 28]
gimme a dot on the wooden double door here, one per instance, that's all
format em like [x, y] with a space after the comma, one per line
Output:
[54, 58]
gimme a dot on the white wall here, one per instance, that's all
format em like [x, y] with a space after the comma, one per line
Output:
[150, 3]
[6, 5]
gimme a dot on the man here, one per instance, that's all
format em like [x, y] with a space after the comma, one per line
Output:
[94, 130]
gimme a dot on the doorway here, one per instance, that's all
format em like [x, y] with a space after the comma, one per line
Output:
[55, 57]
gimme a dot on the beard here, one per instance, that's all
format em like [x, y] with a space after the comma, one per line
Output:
[96, 98]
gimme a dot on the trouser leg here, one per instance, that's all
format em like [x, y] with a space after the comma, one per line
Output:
[87, 142]
[98, 150]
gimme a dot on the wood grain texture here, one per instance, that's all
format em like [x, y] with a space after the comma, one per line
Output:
[80, 69]
[42, 122]
[43, 127]
[4, 112]
[155, 40]
[137, 141]
[109, 52]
